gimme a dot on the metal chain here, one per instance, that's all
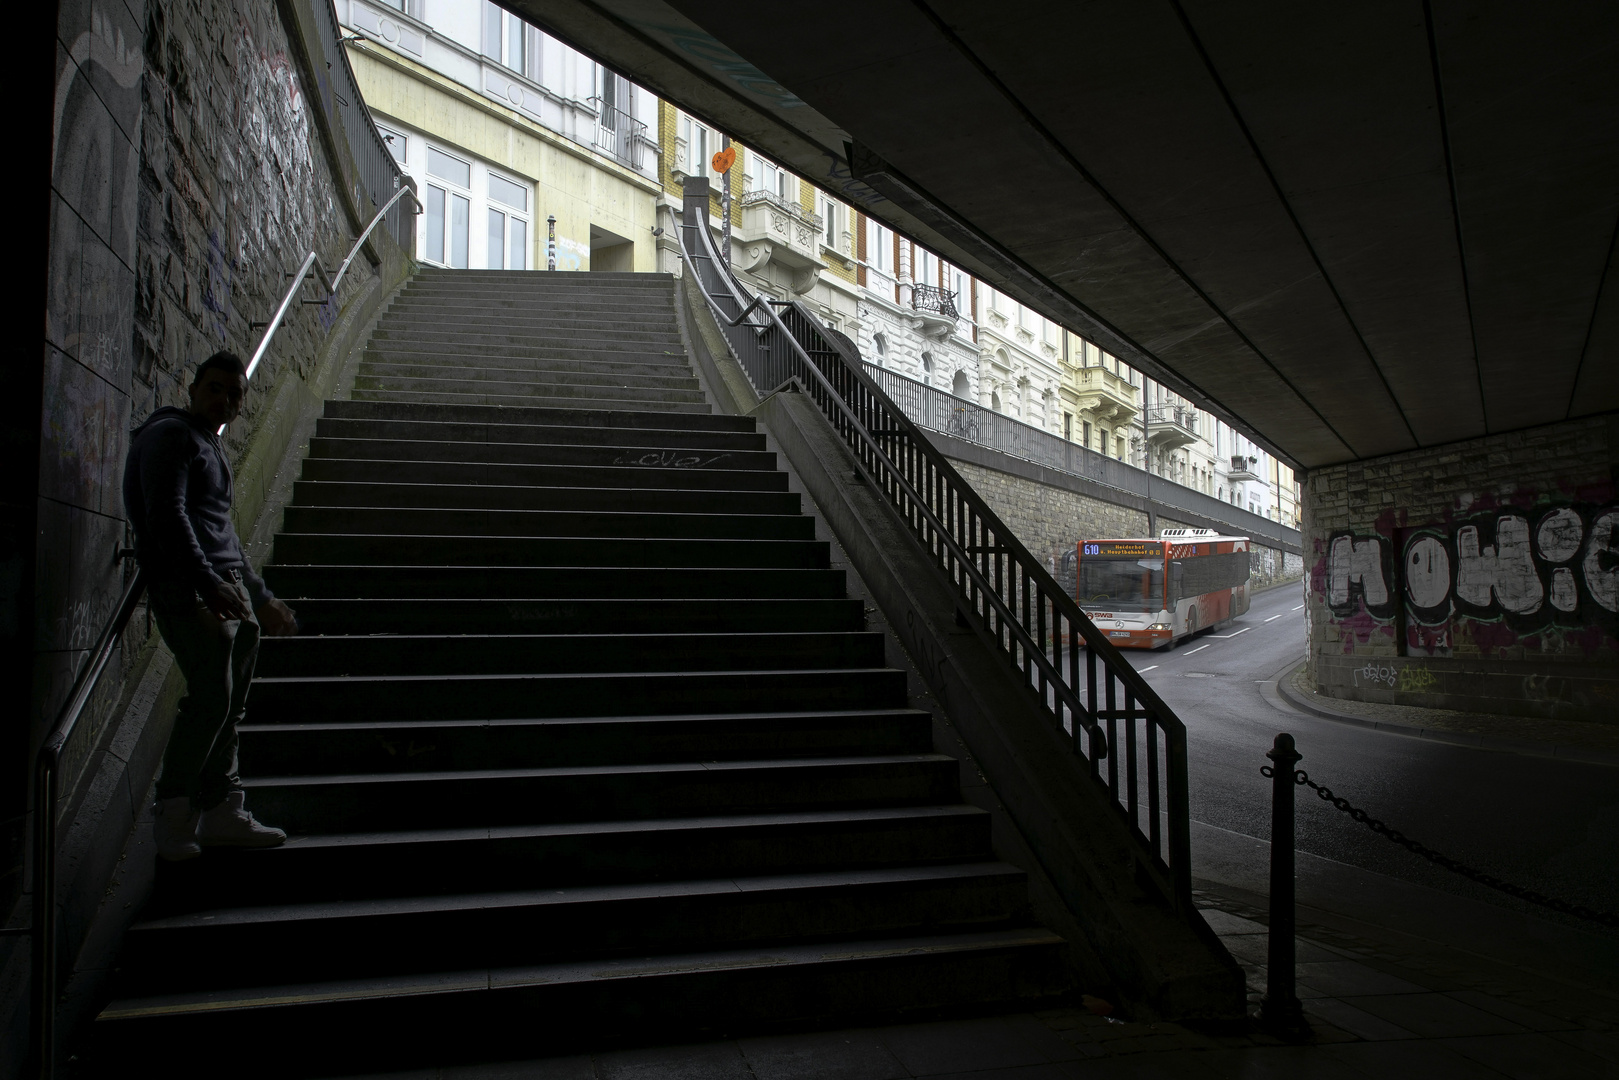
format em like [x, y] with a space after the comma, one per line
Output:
[1302, 778]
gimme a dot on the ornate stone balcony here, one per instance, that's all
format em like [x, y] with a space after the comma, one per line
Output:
[937, 309]
[773, 230]
[1171, 426]
[1109, 398]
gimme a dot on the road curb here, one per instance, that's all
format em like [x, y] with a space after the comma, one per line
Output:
[1527, 747]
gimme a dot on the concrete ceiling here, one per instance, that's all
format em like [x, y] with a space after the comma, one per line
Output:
[1350, 229]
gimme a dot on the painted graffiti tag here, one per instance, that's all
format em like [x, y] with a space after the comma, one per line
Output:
[1500, 564]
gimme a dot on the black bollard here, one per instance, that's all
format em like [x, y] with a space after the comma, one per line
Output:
[1280, 1010]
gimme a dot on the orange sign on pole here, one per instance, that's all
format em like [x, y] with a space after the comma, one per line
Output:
[724, 159]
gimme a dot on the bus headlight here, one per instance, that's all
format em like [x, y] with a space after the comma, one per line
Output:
[1159, 626]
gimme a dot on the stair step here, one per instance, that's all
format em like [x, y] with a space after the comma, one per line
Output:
[328, 548]
[464, 654]
[476, 333]
[582, 615]
[424, 397]
[630, 368]
[313, 493]
[384, 582]
[401, 697]
[416, 521]
[513, 434]
[400, 321]
[685, 458]
[428, 470]
[327, 940]
[624, 309]
[362, 802]
[439, 861]
[547, 1009]
[472, 353]
[551, 417]
[442, 746]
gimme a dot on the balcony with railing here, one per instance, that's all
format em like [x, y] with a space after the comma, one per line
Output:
[1242, 469]
[937, 308]
[1170, 427]
[618, 134]
[1108, 397]
[776, 230]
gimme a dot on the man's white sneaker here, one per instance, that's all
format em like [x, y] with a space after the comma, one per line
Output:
[228, 825]
[175, 829]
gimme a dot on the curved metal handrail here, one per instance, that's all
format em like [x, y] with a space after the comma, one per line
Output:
[312, 263]
[1025, 645]
[47, 762]
[1035, 651]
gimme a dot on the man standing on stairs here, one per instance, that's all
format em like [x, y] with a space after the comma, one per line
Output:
[209, 606]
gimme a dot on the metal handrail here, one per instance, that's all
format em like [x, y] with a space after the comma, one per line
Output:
[47, 763]
[312, 267]
[1012, 598]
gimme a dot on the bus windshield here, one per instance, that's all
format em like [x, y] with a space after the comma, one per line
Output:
[1121, 584]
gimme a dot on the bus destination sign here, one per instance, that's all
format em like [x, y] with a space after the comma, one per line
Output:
[1133, 549]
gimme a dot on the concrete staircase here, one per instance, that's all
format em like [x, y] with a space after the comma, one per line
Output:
[583, 743]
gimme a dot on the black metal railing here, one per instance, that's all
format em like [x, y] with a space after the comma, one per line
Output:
[1134, 745]
[379, 173]
[934, 299]
[618, 134]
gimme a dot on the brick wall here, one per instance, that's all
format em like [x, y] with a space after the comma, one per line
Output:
[1480, 575]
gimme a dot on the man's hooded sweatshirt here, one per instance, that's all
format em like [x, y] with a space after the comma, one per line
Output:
[177, 492]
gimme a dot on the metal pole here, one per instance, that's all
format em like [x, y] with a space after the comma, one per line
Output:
[1280, 1010]
[725, 205]
[551, 242]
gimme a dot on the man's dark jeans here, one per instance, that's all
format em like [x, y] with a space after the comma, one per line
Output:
[217, 657]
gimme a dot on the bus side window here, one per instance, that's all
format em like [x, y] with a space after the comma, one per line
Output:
[1177, 582]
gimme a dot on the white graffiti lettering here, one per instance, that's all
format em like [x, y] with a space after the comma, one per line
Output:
[1505, 570]
[1601, 566]
[1427, 572]
[1356, 562]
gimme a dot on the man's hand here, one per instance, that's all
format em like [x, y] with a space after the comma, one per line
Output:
[277, 619]
[223, 600]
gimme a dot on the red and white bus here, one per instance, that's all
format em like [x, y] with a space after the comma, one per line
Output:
[1146, 594]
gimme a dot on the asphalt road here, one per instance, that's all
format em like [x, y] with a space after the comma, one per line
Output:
[1549, 825]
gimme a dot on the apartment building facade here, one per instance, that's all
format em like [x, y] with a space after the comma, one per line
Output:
[530, 156]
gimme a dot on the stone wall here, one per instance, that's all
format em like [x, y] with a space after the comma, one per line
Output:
[1051, 521]
[197, 158]
[1481, 575]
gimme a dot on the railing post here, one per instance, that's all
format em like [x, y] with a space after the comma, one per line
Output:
[1280, 1010]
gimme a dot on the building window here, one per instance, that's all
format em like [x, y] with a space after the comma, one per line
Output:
[959, 385]
[880, 344]
[1085, 432]
[449, 209]
[926, 270]
[701, 146]
[1068, 426]
[829, 223]
[508, 224]
[879, 246]
[397, 144]
[927, 361]
[505, 39]
[767, 177]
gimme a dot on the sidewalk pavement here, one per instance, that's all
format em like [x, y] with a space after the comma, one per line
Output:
[1383, 1004]
[1573, 740]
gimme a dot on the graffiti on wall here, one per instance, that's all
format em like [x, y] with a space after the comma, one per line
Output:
[1496, 579]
